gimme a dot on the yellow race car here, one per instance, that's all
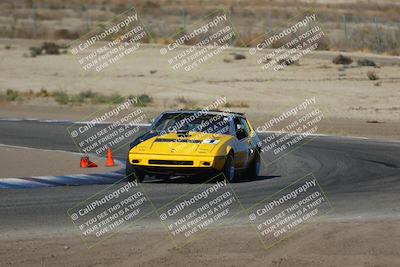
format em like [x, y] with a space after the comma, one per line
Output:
[195, 143]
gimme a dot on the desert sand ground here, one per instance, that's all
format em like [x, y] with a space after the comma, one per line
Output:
[350, 243]
[354, 105]
[351, 101]
[22, 162]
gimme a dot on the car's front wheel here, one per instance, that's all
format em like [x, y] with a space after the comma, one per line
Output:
[229, 168]
[132, 174]
[254, 168]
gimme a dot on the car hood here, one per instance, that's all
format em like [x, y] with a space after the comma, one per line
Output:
[190, 144]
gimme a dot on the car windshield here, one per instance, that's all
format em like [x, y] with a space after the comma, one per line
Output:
[193, 122]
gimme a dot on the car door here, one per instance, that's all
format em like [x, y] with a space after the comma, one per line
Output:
[241, 146]
[250, 141]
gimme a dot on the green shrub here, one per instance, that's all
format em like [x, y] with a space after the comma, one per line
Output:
[238, 56]
[99, 99]
[372, 76]
[35, 51]
[144, 100]
[12, 95]
[116, 98]
[341, 59]
[236, 105]
[48, 48]
[76, 99]
[43, 93]
[61, 97]
[377, 84]
[51, 48]
[181, 100]
[366, 62]
[87, 94]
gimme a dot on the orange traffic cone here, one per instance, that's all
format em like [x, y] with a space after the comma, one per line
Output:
[86, 163]
[110, 161]
[92, 164]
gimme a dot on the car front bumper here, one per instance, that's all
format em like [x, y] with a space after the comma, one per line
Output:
[176, 164]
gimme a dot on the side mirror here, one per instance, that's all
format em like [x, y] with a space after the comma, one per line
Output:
[152, 120]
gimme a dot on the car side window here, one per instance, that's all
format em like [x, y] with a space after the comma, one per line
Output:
[245, 125]
[240, 129]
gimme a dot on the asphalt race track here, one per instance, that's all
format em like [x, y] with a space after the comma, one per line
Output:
[361, 178]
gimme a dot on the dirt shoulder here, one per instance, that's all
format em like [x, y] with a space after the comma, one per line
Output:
[21, 162]
[350, 243]
[353, 105]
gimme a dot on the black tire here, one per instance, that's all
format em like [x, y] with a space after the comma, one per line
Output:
[254, 168]
[229, 168]
[132, 174]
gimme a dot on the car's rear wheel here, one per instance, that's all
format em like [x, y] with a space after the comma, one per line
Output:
[133, 174]
[229, 168]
